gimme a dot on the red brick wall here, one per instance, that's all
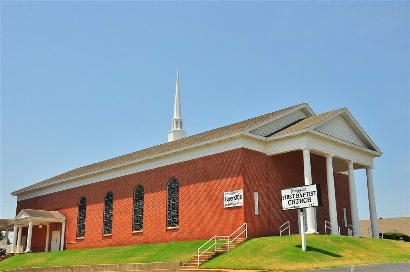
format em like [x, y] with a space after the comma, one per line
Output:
[201, 214]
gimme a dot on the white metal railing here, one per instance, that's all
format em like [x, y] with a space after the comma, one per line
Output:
[244, 226]
[283, 227]
[214, 241]
[329, 226]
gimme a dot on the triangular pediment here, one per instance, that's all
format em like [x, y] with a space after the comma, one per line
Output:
[22, 214]
[345, 128]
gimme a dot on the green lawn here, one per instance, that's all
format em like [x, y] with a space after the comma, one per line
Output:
[166, 252]
[324, 251]
[271, 253]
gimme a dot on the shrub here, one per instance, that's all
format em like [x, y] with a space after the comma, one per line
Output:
[396, 236]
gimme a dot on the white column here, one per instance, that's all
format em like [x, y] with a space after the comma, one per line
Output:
[353, 200]
[372, 203]
[7, 238]
[19, 238]
[331, 196]
[62, 236]
[47, 238]
[14, 239]
[29, 235]
[310, 212]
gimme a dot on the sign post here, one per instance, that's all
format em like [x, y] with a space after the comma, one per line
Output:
[302, 228]
[300, 198]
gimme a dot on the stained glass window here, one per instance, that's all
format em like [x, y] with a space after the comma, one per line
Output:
[138, 208]
[173, 203]
[108, 208]
[82, 205]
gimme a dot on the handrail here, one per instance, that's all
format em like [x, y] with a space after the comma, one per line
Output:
[216, 238]
[329, 226]
[245, 230]
[287, 223]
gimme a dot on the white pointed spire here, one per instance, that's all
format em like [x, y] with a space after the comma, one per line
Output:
[177, 104]
[176, 131]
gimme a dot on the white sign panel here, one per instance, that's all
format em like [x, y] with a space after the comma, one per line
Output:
[301, 197]
[233, 199]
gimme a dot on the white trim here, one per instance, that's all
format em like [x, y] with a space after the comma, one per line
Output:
[194, 153]
[125, 164]
[355, 125]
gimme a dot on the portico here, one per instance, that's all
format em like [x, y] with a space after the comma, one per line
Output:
[27, 219]
[337, 137]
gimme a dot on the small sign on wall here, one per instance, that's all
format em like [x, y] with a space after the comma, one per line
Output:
[233, 199]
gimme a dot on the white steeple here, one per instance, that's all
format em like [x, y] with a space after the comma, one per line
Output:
[176, 131]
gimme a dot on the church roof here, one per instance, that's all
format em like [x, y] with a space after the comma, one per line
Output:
[308, 122]
[164, 148]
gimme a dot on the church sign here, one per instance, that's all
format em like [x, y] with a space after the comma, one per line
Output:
[301, 197]
[233, 199]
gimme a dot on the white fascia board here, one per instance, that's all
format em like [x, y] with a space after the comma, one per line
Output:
[139, 166]
[339, 150]
[356, 124]
[149, 158]
[302, 106]
[39, 219]
[319, 145]
[362, 149]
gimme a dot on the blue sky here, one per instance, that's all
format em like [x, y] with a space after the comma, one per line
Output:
[86, 81]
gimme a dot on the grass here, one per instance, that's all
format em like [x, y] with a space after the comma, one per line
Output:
[165, 252]
[270, 253]
[323, 251]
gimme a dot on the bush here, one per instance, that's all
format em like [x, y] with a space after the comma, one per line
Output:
[396, 236]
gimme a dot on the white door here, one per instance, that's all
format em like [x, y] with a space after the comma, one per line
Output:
[55, 240]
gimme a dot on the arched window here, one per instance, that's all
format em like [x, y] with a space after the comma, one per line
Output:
[173, 203]
[82, 205]
[138, 208]
[108, 207]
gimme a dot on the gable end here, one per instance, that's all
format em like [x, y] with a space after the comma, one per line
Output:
[340, 129]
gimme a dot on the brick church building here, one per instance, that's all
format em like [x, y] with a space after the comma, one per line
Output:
[175, 191]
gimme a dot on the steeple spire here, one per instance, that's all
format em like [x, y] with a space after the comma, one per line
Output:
[177, 104]
[176, 131]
